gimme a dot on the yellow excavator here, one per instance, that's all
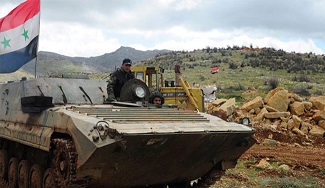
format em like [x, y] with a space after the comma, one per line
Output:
[176, 92]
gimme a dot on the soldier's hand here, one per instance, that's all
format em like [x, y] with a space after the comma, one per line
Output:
[110, 100]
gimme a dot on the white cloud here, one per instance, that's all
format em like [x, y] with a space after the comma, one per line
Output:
[187, 4]
[75, 40]
[91, 28]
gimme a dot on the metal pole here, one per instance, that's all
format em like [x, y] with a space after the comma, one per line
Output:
[35, 67]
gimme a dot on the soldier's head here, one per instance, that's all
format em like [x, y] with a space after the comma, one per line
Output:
[126, 65]
[156, 99]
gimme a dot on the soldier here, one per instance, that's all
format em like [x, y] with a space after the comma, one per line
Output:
[117, 79]
[156, 99]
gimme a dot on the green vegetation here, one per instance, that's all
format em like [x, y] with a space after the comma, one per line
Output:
[243, 69]
[245, 72]
[322, 172]
[247, 175]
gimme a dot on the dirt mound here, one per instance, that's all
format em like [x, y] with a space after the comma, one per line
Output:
[281, 116]
[290, 146]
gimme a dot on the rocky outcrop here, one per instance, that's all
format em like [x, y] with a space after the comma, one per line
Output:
[297, 108]
[254, 104]
[278, 111]
[224, 108]
[318, 102]
[278, 99]
[289, 112]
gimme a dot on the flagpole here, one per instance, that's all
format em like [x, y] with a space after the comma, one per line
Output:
[35, 66]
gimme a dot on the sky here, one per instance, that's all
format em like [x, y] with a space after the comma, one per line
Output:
[88, 28]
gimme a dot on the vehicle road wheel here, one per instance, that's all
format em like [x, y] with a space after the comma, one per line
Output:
[4, 159]
[13, 172]
[23, 172]
[49, 180]
[35, 176]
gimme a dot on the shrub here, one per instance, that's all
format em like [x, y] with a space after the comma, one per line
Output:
[273, 82]
[301, 91]
[318, 92]
[233, 65]
[322, 172]
[202, 78]
[301, 78]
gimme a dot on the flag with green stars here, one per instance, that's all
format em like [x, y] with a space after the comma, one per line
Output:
[19, 32]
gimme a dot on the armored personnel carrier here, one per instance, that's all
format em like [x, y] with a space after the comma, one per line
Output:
[58, 132]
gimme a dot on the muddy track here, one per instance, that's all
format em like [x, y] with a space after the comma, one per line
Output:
[295, 155]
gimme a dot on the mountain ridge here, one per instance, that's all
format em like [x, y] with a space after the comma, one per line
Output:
[54, 63]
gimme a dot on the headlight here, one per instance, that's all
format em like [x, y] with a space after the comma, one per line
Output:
[140, 92]
[245, 121]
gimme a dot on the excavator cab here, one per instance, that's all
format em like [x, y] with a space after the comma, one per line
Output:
[176, 92]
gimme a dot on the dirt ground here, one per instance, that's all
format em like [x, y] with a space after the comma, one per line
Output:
[305, 157]
[304, 152]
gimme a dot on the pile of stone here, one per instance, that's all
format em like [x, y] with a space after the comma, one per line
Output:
[279, 110]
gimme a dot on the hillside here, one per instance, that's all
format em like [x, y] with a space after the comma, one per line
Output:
[247, 68]
[241, 68]
[290, 148]
[51, 63]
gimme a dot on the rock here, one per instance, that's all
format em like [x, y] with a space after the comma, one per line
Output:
[318, 102]
[305, 127]
[319, 115]
[308, 105]
[290, 124]
[277, 122]
[271, 93]
[279, 100]
[214, 109]
[309, 114]
[257, 110]
[298, 131]
[255, 103]
[260, 115]
[285, 119]
[219, 102]
[297, 108]
[317, 131]
[263, 164]
[297, 145]
[226, 109]
[270, 109]
[267, 121]
[272, 127]
[296, 121]
[269, 142]
[283, 125]
[284, 167]
[296, 97]
[274, 115]
[321, 124]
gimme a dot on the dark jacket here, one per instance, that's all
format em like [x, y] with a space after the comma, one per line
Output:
[116, 81]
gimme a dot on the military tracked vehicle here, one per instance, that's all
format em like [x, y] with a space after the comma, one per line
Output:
[58, 132]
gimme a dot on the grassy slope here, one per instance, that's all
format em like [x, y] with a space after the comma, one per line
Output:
[230, 82]
[233, 82]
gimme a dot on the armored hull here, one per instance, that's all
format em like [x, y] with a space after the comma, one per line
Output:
[59, 133]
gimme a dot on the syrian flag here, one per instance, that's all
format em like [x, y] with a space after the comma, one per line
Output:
[19, 32]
